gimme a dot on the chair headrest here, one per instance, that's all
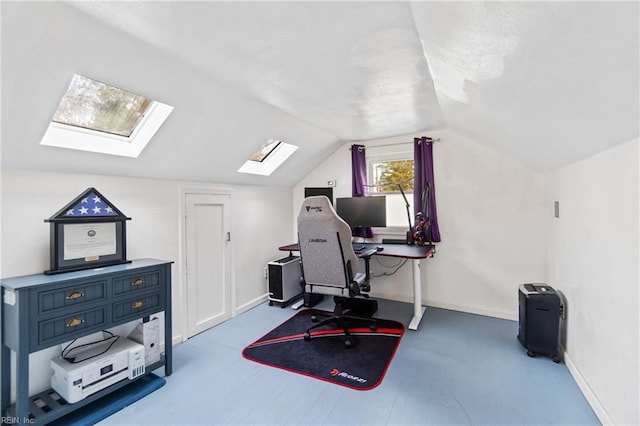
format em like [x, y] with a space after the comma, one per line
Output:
[316, 207]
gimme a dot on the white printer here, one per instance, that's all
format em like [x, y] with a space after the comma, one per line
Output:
[97, 367]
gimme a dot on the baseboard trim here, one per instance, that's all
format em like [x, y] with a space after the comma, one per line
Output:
[512, 316]
[251, 304]
[177, 339]
[586, 390]
[478, 311]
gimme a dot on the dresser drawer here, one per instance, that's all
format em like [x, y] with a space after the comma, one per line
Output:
[136, 306]
[52, 300]
[69, 326]
[131, 283]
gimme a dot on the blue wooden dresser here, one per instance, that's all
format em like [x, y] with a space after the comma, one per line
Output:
[40, 311]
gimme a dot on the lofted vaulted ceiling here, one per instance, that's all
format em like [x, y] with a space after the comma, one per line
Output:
[547, 83]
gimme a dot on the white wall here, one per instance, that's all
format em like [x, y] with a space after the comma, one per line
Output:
[492, 215]
[261, 221]
[593, 260]
[498, 230]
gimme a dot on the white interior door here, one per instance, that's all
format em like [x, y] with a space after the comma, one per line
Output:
[208, 262]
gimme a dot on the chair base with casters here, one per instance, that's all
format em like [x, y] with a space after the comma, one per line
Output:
[341, 316]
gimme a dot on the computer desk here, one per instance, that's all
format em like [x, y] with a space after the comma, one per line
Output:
[412, 252]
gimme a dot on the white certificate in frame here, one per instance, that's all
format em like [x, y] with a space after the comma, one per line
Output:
[89, 240]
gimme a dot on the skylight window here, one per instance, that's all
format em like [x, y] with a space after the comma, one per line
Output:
[97, 106]
[97, 117]
[268, 158]
[265, 150]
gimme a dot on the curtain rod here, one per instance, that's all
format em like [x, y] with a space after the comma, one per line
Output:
[394, 144]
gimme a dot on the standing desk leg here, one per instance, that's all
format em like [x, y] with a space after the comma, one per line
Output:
[418, 309]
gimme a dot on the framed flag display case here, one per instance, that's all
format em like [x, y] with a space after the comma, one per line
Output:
[89, 232]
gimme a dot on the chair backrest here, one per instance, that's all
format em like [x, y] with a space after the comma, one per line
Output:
[325, 248]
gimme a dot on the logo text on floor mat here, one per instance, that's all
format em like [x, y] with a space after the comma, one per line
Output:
[337, 373]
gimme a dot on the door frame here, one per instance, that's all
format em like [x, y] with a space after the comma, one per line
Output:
[182, 288]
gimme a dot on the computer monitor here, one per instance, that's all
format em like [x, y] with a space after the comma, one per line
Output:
[328, 192]
[361, 212]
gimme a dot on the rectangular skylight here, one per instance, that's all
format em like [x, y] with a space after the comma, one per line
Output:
[268, 158]
[265, 150]
[93, 105]
[93, 116]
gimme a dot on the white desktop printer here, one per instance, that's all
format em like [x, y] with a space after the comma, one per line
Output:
[97, 367]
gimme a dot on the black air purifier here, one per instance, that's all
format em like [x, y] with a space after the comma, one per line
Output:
[539, 320]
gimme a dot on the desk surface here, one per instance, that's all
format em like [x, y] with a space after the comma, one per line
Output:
[392, 250]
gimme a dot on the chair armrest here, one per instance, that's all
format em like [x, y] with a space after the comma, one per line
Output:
[366, 255]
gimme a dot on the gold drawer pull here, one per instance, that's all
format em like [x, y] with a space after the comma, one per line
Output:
[138, 304]
[75, 295]
[75, 322]
[137, 281]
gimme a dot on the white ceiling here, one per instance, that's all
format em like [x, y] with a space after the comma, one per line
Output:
[544, 82]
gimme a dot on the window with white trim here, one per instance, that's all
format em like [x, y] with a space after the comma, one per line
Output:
[94, 116]
[271, 155]
[388, 169]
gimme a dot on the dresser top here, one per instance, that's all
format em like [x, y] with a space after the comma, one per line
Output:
[39, 279]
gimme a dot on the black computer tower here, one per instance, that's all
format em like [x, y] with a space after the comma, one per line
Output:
[539, 320]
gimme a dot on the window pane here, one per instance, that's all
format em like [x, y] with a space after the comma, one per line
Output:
[397, 210]
[265, 150]
[387, 174]
[97, 106]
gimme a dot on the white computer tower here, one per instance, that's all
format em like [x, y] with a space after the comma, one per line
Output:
[284, 280]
